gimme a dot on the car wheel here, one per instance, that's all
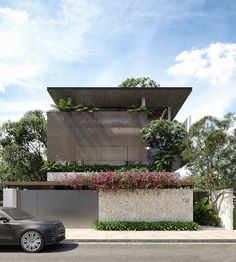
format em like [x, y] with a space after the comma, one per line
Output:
[32, 241]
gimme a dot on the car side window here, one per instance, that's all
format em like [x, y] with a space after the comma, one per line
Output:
[2, 214]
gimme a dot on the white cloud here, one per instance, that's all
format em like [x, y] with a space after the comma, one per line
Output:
[30, 46]
[215, 64]
[212, 73]
[14, 16]
[40, 36]
[207, 101]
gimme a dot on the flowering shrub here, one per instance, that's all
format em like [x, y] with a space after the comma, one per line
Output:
[127, 180]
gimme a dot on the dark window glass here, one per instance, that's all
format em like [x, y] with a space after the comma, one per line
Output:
[17, 214]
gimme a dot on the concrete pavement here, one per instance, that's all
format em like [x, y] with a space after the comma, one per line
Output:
[203, 235]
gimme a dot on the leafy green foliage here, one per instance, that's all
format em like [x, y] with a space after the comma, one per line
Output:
[140, 109]
[64, 106]
[167, 138]
[210, 151]
[147, 226]
[89, 109]
[139, 82]
[22, 148]
[204, 213]
[51, 166]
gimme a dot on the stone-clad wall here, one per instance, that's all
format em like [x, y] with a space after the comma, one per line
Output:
[146, 205]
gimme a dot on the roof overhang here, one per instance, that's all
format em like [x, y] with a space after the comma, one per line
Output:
[114, 97]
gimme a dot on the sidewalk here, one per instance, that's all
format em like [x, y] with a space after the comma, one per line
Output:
[203, 235]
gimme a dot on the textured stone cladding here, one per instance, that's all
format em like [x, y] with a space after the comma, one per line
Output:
[146, 205]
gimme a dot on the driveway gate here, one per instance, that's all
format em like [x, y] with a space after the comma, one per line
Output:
[75, 208]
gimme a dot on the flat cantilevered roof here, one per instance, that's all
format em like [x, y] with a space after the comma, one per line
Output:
[115, 97]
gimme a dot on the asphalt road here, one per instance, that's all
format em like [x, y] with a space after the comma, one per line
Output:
[125, 252]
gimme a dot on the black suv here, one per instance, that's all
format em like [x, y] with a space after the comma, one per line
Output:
[19, 228]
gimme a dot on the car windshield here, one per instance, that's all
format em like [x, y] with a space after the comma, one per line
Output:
[17, 214]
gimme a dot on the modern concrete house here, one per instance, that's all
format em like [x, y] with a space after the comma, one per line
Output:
[109, 136]
[112, 135]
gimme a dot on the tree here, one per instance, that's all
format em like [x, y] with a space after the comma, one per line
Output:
[23, 147]
[211, 153]
[166, 138]
[139, 82]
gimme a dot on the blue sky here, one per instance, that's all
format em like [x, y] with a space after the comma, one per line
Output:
[101, 43]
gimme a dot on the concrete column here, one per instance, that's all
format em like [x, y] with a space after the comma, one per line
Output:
[10, 197]
[187, 123]
[169, 113]
[143, 101]
[69, 100]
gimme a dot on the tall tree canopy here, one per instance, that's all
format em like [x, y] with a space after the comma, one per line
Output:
[211, 152]
[166, 137]
[139, 82]
[22, 147]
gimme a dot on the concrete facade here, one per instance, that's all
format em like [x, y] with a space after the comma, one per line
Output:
[146, 205]
[112, 135]
[96, 138]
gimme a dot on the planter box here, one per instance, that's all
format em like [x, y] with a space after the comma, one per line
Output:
[58, 176]
[146, 205]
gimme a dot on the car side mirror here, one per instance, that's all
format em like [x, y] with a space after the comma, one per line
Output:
[4, 219]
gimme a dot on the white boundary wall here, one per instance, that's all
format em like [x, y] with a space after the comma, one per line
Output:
[224, 205]
[10, 197]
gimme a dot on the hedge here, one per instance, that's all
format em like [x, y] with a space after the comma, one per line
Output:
[147, 226]
[51, 166]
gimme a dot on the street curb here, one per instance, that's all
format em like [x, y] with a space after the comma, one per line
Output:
[153, 240]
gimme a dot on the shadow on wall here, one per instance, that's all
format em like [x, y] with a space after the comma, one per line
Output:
[224, 205]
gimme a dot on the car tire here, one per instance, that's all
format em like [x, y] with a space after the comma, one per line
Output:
[32, 241]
